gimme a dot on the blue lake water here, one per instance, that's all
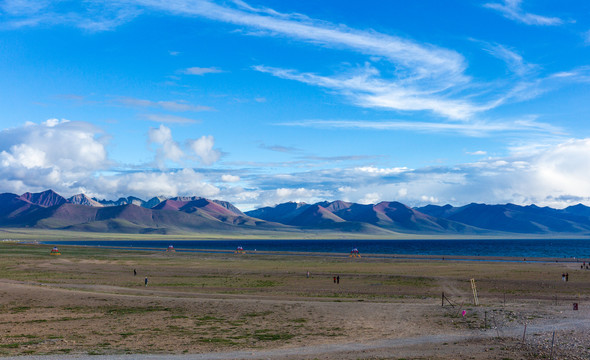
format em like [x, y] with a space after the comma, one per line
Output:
[554, 248]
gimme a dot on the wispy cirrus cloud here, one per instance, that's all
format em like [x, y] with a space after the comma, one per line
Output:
[201, 70]
[514, 61]
[367, 88]
[474, 128]
[422, 73]
[280, 148]
[96, 18]
[169, 119]
[511, 9]
[409, 76]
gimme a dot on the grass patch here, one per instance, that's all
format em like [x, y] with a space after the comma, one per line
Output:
[134, 310]
[299, 320]
[20, 309]
[273, 337]
[266, 335]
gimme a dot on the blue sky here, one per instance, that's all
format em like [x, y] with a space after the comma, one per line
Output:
[264, 102]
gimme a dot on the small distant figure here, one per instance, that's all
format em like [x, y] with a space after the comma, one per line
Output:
[334, 279]
[308, 274]
[464, 312]
[338, 279]
[134, 272]
[567, 277]
[563, 277]
[146, 281]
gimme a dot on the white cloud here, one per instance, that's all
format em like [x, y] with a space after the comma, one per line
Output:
[148, 184]
[372, 170]
[71, 157]
[429, 199]
[478, 152]
[556, 176]
[203, 147]
[52, 154]
[230, 178]
[169, 149]
[371, 198]
[281, 195]
[511, 9]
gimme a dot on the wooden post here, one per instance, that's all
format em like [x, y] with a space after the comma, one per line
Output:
[442, 299]
[485, 320]
[475, 299]
[524, 333]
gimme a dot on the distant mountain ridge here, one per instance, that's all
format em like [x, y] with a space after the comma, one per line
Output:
[393, 216]
[193, 214]
[49, 210]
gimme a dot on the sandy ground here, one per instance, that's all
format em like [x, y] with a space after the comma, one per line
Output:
[225, 306]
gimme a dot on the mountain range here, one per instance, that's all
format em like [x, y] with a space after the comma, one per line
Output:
[178, 215]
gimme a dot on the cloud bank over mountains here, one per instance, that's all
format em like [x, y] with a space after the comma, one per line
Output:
[72, 157]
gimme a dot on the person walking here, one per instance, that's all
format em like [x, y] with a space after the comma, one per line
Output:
[146, 281]
[338, 279]
[134, 272]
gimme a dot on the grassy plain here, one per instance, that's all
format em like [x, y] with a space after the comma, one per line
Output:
[89, 301]
[31, 234]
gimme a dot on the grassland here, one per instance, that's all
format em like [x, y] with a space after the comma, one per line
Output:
[88, 300]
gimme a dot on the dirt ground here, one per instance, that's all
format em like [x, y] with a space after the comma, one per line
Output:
[88, 301]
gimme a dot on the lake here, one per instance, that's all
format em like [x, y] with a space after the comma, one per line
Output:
[529, 248]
